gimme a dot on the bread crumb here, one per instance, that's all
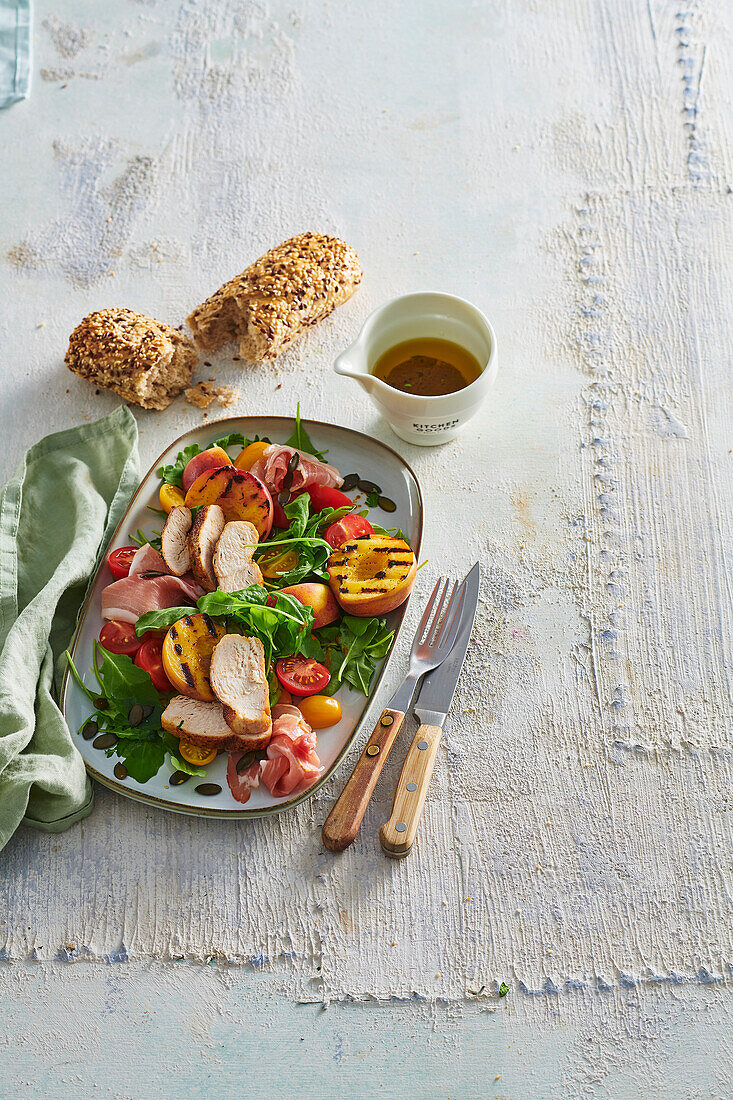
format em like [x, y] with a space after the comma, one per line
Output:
[203, 395]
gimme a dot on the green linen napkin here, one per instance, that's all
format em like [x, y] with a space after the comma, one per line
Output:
[56, 514]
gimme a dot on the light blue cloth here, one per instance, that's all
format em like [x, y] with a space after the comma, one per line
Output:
[15, 51]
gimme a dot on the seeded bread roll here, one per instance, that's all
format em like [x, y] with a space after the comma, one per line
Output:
[142, 360]
[290, 288]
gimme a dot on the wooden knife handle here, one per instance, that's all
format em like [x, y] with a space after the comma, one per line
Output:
[342, 824]
[398, 835]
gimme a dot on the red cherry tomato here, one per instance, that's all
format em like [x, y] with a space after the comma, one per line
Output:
[302, 675]
[279, 519]
[346, 528]
[149, 657]
[117, 637]
[323, 496]
[120, 560]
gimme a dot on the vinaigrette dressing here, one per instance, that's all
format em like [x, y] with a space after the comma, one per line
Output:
[427, 367]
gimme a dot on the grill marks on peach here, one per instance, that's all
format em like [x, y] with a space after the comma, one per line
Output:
[372, 576]
[187, 650]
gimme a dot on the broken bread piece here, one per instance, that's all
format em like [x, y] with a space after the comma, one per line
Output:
[142, 360]
[202, 724]
[239, 681]
[233, 564]
[286, 291]
[202, 540]
[174, 547]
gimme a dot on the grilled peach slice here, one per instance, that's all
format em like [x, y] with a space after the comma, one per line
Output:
[187, 649]
[205, 460]
[238, 493]
[319, 597]
[371, 576]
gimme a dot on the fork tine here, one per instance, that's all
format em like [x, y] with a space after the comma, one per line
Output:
[440, 622]
[426, 614]
[447, 636]
[437, 614]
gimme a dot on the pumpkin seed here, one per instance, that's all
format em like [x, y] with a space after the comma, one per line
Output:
[135, 716]
[148, 710]
[90, 730]
[101, 703]
[120, 771]
[245, 761]
[105, 741]
[387, 505]
[176, 778]
[368, 487]
[208, 788]
[350, 482]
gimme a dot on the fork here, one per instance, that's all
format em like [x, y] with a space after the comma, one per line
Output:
[433, 640]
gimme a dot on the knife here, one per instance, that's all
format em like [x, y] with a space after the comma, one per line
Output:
[433, 703]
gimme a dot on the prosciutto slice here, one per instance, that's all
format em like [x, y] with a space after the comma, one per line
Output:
[292, 764]
[127, 599]
[147, 560]
[242, 785]
[273, 466]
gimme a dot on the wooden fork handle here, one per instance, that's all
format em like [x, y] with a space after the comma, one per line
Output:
[342, 824]
[398, 835]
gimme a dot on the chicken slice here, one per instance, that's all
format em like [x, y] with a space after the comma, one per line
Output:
[174, 547]
[205, 533]
[202, 724]
[233, 564]
[238, 680]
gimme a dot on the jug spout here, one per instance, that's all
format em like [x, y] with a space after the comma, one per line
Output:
[353, 366]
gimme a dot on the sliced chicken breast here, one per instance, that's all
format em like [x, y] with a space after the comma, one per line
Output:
[202, 724]
[174, 547]
[233, 564]
[205, 533]
[238, 680]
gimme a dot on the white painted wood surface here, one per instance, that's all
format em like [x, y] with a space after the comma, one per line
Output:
[566, 166]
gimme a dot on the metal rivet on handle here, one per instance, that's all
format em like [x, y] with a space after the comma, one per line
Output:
[387, 720]
[401, 827]
[373, 750]
[412, 786]
[422, 744]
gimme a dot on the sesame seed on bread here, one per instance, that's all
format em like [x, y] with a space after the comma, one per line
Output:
[286, 291]
[143, 360]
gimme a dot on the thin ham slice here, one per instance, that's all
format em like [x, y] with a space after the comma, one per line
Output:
[127, 599]
[273, 465]
[292, 764]
[147, 560]
[241, 785]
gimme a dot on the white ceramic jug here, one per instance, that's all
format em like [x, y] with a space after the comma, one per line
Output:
[423, 420]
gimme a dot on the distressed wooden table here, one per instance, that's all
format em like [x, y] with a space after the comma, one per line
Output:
[567, 166]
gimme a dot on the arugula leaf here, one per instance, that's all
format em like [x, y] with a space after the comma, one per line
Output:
[302, 441]
[284, 628]
[352, 648]
[123, 682]
[161, 619]
[172, 473]
[143, 759]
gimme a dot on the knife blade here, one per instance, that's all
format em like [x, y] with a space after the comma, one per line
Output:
[438, 687]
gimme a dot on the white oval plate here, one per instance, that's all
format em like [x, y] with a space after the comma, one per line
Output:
[349, 451]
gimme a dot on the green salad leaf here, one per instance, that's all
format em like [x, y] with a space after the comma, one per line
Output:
[351, 648]
[284, 628]
[161, 619]
[172, 473]
[302, 441]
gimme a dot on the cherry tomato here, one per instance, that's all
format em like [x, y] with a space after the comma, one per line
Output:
[150, 658]
[320, 711]
[120, 560]
[246, 459]
[195, 755]
[170, 497]
[275, 563]
[346, 528]
[279, 519]
[323, 496]
[117, 637]
[302, 675]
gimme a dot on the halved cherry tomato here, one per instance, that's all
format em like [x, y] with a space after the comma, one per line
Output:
[150, 658]
[120, 560]
[279, 519]
[276, 563]
[117, 637]
[302, 675]
[347, 528]
[320, 711]
[170, 497]
[323, 496]
[194, 754]
[246, 459]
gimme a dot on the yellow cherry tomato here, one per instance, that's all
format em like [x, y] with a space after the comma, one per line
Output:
[170, 497]
[195, 755]
[320, 711]
[276, 564]
[246, 459]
